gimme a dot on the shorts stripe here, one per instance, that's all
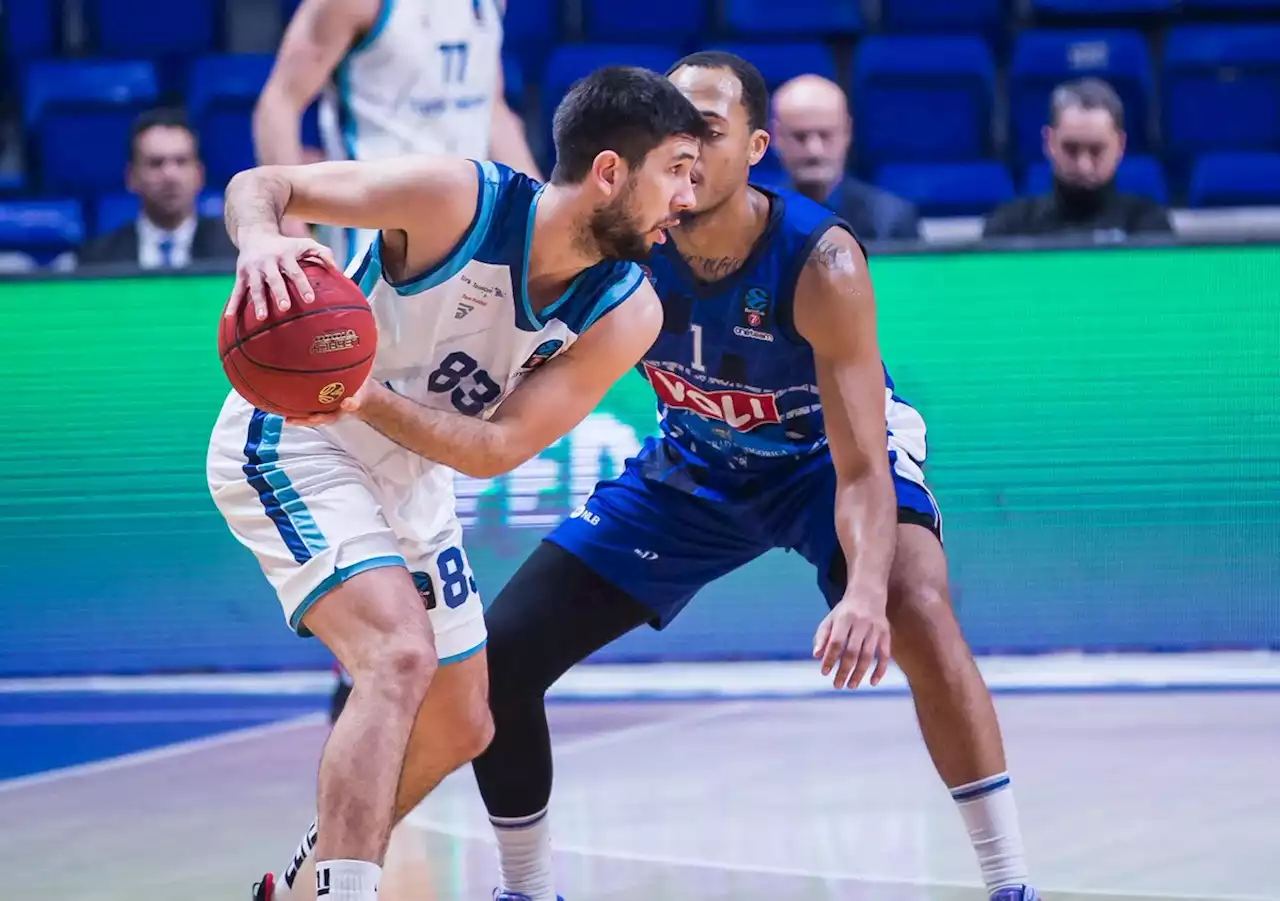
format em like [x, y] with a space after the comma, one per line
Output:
[333, 580]
[470, 652]
[293, 520]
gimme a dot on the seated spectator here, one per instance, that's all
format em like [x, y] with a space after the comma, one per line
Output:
[1084, 142]
[166, 173]
[812, 132]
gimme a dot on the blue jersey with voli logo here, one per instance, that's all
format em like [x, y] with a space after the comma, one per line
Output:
[742, 465]
[736, 385]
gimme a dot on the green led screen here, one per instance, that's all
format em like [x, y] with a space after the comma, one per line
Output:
[1103, 442]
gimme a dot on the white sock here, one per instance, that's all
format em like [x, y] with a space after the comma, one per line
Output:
[991, 816]
[524, 855]
[347, 880]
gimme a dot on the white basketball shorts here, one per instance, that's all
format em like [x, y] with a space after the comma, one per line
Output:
[316, 509]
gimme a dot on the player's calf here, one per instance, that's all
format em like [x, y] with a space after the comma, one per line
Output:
[957, 717]
[452, 727]
[377, 626]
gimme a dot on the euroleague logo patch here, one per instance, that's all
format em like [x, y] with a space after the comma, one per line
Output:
[755, 308]
[544, 352]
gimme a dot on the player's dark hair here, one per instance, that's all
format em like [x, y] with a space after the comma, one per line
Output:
[1086, 94]
[620, 108]
[162, 117]
[755, 93]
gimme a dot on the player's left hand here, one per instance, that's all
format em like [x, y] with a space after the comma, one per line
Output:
[352, 405]
[854, 635]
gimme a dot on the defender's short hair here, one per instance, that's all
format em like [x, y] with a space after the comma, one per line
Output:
[755, 92]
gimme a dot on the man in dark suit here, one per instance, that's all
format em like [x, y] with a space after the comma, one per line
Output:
[812, 132]
[166, 173]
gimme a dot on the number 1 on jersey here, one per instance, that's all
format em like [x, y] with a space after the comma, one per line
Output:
[697, 348]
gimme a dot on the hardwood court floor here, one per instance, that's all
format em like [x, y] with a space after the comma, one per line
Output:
[1152, 795]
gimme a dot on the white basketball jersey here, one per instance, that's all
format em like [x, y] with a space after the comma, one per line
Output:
[463, 335]
[423, 80]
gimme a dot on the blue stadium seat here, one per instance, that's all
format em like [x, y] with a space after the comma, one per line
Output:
[12, 184]
[1222, 89]
[769, 171]
[70, 106]
[1044, 59]
[210, 204]
[531, 29]
[918, 99]
[570, 62]
[1138, 174]
[670, 21]
[31, 29]
[780, 62]
[40, 229]
[793, 18]
[513, 81]
[1235, 179]
[949, 189]
[311, 126]
[985, 16]
[223, 92]
[150, 28]
[1098, 9]
[1221, 6]
[114, 210]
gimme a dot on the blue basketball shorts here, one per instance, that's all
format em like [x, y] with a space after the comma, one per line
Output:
[661, 544]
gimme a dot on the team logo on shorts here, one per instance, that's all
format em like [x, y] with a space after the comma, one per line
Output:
[546, 350]
[755, 308]
[422, 582]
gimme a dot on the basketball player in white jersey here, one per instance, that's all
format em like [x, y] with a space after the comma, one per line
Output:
[489, 289]
[398, 77]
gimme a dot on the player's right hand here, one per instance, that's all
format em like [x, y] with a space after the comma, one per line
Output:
[853, 638]
[265, 262]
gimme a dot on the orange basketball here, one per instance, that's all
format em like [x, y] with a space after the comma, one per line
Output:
[308, 358]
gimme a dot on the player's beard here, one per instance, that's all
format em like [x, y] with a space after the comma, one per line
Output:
[616, 233]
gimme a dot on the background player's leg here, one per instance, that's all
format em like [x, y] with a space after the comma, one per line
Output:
[957, 717]
[453, 726]
[377, 626]
[553, 613]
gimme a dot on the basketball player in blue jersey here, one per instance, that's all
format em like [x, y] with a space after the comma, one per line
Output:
[780, 429]
[505, 309]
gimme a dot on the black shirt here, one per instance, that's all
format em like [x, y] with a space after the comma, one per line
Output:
[1103, 215]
